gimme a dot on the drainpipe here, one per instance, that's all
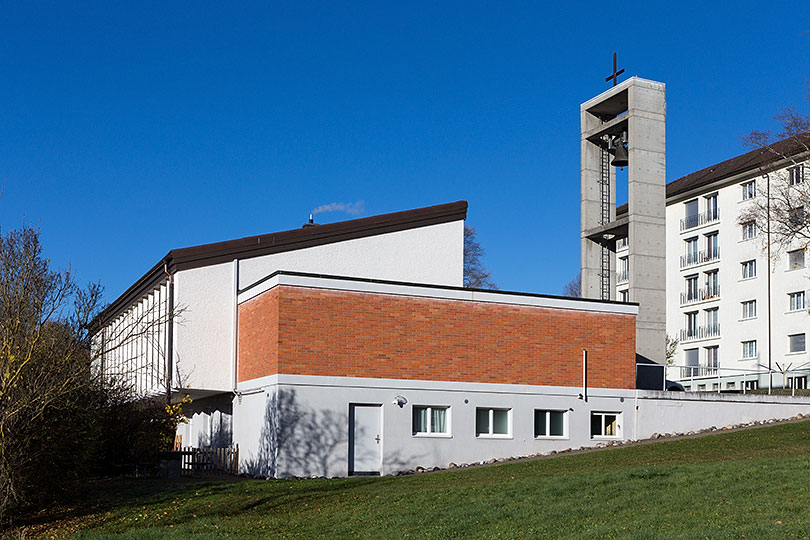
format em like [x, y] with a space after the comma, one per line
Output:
[585, 375]
[235, 329]
[768, 243]
[169, 333]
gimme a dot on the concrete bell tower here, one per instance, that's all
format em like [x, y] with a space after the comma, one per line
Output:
[630, 117]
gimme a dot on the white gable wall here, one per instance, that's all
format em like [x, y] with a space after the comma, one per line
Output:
[204, 338]
[433, 254]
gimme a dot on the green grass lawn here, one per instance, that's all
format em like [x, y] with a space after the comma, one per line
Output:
[748, 484]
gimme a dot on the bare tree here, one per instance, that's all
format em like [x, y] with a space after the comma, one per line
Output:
[476, 276]
[779, 211]
[574, 287]
[671, 349]
[55, 409]
[45, 380]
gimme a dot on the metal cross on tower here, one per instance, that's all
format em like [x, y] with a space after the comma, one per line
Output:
[616, 74]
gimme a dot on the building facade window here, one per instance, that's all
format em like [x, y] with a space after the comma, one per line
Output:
[798, 382]
[624, 270]
[493, 422]
[692, 216]
[691, 288]
[749, 190]
[749, 349]
[624, 295]
[712, 284]
[712, 245]
[749, 309]
[749, 230]
[796, 301]
[429, 420]
[691, 250]
[622, 243]
[712, 213]
[606, 425]
[713, 322]
[691, 324]
[549, 423]
[713, 357]
[796, 216]
[749, 269]
[796, 259]
[796, 175]
[692, 360]
[796, 342]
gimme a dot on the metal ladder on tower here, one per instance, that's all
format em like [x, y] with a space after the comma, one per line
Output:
[604, 219]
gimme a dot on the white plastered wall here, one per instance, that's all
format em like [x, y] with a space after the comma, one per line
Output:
[432, 254]
[319, 445]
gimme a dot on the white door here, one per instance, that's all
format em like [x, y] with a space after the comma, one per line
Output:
[365, 439]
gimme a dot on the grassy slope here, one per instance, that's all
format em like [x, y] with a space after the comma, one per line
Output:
[746, 484]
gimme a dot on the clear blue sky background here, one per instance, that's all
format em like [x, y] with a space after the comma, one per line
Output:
[128, 129]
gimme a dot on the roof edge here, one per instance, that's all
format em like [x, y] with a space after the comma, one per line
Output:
[290, 240]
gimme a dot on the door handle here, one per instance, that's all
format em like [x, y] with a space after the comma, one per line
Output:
[377, 438]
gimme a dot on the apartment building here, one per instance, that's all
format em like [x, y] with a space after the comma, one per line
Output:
[735, 315]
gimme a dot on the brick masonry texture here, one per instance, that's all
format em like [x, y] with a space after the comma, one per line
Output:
[307, 331]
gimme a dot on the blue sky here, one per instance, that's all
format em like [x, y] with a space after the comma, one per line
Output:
[129, 129]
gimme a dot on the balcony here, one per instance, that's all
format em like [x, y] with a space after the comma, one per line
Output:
[701, 332]
[622, 276]
[700, 295]
[690, 222]
[698, 371]
[700, 257]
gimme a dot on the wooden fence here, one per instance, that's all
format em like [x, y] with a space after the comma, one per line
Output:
[196, 461]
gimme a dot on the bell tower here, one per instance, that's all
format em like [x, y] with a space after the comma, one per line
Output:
[625, 127]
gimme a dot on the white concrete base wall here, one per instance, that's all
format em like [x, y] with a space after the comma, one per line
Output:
[681, 412]
[299, 426]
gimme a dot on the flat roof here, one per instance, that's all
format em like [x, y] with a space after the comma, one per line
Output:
[442, 292]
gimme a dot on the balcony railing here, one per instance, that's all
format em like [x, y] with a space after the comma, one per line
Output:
[705, 293]
[699, 257]
[697, 371]
[701, 332]
[690, 222]
[623, 276]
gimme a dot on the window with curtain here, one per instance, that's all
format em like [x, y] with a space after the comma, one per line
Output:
[430, 420]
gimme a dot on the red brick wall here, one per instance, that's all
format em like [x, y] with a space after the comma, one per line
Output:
[353, 334]
[257, 343]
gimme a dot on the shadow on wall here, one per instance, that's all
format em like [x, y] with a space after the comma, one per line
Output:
[301, 442]
[218, 435]
[305, 440]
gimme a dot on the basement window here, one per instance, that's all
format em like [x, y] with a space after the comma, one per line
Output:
[606, 425]
[493, 423]
[798, 382]
[429, 420]
[549, 423]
